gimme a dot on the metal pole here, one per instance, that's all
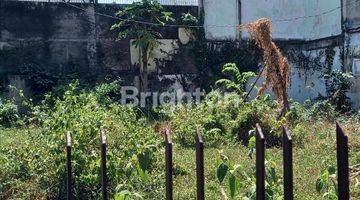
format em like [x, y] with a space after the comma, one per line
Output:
[342, 163]
[103, 165]
[68, 166]
[260, 164]
[168, 165]
[200, 179]
[288, 164]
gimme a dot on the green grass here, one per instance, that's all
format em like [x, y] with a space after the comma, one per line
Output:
[306, 164]
[320, 144]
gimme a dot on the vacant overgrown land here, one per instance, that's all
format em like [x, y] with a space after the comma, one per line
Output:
[33, 156]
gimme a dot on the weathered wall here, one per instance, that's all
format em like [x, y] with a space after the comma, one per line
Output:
[60, 33]
[316, 25]
[351, 17]
[59, 36]
[309, 61]
[293, 19]
[221, 19]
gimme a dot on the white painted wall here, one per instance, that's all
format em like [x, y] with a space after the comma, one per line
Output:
[325, 20]
[221, 19]
[166, 45]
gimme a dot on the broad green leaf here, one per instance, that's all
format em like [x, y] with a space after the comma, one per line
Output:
[144, 175]
[325, 176]
[273, 174]
[222, 171]
[145, 159]
[123, 195]
[319, 185]
[252, 142]
[232, 186]
[331, 170]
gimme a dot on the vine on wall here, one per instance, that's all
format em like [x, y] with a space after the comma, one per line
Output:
[210, 56]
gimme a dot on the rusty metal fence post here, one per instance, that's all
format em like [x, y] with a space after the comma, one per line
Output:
[342, 163]
[168, 165]
[68, 167]
[103, 165]
[260, 163]
[287, 164]
[200, 179]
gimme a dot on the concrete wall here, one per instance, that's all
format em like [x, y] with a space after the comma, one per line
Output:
[63, 32]
[291, 19]
[308, 82]
[309, 62]
[320, 22]
[58, 35]
[221, 19]
[351, 17]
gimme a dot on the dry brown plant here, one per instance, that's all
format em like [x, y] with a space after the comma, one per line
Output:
[276, 66]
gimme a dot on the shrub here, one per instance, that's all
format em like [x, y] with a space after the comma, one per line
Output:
[338, 84]
[224, 119]
[322, 109]
[132, 148]
[237, 81]
[9, 113]
[238, 177]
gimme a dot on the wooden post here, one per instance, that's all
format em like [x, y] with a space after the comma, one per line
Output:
[288, 164]
[168, 165]
[200, 179]
[103, 165]
[260, 164]
[68, 167]
[342, 163]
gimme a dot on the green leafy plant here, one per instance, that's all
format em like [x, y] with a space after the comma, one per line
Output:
[9, 113]
[338, 84]
[326, 182]
[237, 81]
[224, 118]
[145, 35]
[322, 109]
[237, 177]
[131, 153]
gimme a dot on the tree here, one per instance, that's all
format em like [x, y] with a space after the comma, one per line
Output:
[142, 21]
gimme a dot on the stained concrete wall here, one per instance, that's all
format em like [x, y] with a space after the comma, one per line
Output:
[309, 62]
[58, 35]
[293, 19]
[320, 22]
[221, 19]
[351, 15]
[307, 82]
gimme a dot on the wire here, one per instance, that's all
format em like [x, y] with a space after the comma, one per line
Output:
[201, 26]
[131, 20]
[254, 84]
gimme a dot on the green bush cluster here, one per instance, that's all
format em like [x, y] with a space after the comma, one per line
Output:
[132, 149]
[34, 167]
[223, 118]
[227, 117]
[9, 113]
